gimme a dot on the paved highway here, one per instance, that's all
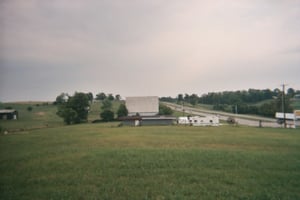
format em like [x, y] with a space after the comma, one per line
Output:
[247, 120]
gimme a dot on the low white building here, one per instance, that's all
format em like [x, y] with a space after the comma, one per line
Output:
[200, 121]
[288, 116]
[183, 120]
[292, 119]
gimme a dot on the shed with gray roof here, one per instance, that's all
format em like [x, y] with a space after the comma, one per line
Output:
[8, 114]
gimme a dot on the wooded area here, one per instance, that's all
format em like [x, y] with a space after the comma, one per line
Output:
[253, 101]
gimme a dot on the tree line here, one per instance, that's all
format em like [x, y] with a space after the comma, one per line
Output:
[75, 109]
[100, 97]
[253, 101]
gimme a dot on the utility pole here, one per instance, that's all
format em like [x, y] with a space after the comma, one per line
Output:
[283, 104]
[183, 108]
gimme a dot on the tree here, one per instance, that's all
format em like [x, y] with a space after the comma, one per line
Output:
[107, 115]
[80, 103]
[165, 110]
[29, 108]
[180, 98]
[111, 97]
[267, 109]
[61, 99]
[122, 111]
[90, 97]
[106, 105]
[276, 91]
[101, 96]
[187, 98]
[168, 99]
[118, 97]
[194, 99]
[287, 103]
[75, 109]
[291, 92]
[68, 114]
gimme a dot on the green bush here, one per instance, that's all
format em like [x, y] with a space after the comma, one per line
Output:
[107, 115]
[29, 108]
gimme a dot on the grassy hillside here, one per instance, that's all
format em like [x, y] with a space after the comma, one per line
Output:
[102, 161]
[96, 109]
[42, 115]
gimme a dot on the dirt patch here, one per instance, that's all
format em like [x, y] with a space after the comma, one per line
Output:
[40, 113]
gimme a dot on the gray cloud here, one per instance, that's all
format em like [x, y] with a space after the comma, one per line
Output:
[146, 47]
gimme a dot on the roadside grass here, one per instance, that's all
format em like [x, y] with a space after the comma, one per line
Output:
[103, 161]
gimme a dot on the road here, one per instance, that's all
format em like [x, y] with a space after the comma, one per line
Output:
[247, 120]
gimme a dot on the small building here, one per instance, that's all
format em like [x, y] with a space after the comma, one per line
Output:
[199, 121]
[158, 120]
[184, 120]
[205, 121]
[142, 106]
[287, 116]
[8, 114]
[148, 120]
[297, 114]
[291, 119]
[131, 120]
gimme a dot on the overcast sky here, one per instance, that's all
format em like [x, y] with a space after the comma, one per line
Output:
[142, 47]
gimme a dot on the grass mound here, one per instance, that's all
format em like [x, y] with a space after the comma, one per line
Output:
[102, 161]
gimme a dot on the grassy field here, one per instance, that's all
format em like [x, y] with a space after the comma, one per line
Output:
[103, 161]
[42, 115]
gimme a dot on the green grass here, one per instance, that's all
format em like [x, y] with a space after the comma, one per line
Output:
[42, 115]
[102, 161]
[96, 110]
